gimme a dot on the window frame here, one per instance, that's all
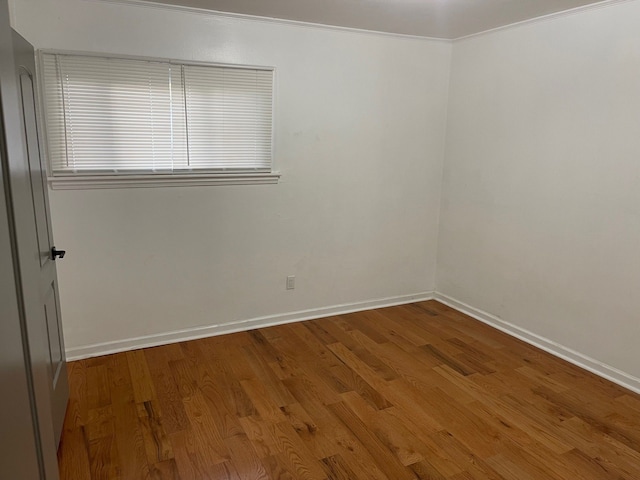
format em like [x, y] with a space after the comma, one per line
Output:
[137, 180]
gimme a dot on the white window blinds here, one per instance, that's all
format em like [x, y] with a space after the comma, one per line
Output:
[119, 116]
[228, 117]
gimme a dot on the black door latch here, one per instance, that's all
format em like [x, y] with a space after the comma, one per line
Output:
[57, 253]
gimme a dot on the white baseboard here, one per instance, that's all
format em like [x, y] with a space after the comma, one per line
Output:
[601, 369]
[95, 350]
[594, 366]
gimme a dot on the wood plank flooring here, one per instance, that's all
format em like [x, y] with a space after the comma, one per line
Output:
[411, 392]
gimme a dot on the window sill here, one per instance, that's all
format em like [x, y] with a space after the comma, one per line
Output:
[88, 182]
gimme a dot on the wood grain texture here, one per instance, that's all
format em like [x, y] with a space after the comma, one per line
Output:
[410, 392]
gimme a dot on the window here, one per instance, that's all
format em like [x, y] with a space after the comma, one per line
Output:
[114, 121]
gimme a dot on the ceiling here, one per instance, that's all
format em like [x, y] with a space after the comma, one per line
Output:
[448, 19]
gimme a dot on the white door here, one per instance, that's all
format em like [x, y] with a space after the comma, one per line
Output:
[35, 265]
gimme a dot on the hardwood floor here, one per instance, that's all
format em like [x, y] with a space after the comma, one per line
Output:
[416, 391]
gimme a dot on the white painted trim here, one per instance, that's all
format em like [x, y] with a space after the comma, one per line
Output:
[12, 14]
[601, 369]
[594, 366]
[300, 23]
[88, 182]
[544, 18]
[174, 61]
[258, 18]
[95, 350]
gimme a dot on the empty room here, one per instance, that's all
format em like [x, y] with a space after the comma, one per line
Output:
[339, 239]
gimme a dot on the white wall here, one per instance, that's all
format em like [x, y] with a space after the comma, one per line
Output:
[541, 199]
[359, 125]
[540, 218]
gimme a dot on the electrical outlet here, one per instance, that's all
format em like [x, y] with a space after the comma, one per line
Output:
[291, 282]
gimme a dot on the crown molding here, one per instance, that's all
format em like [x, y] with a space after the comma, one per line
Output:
[545, 18]
[261, 19]
[302, 24]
